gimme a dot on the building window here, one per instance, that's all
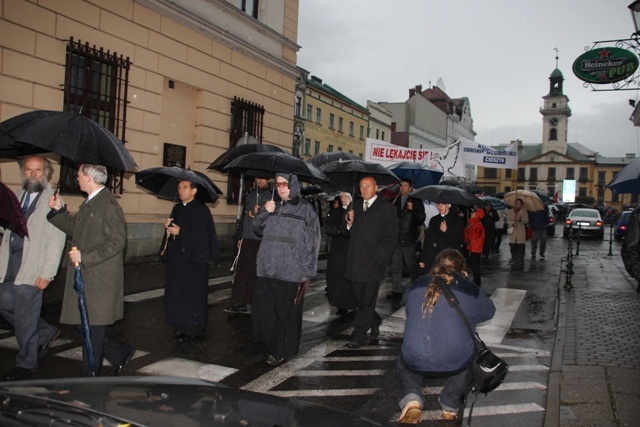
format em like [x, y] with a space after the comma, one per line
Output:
[250, 7]
[584, 174]
[601, 177]
[520, 174]
[507, 188]
[307, 146]
[383, 135]
[298, 108]
[615, 197]
[317, 148]
[552, 174]
[508, 173]
[533, 174]
[309, 111]
[582, 191]
[339, 148]
[340, 122]
[95, 85]
[332, 118]
[350, 151]
[377, 133]
[553, 134]
[351, 127]
[490, 173]
[318, 116]
[329, 148]
[570, 173]
[490, 190]
[246, 118]
[361, 132]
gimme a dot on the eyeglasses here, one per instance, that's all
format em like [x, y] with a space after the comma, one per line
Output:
[283, 184]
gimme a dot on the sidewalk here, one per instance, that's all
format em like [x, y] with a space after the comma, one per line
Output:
[594, 377]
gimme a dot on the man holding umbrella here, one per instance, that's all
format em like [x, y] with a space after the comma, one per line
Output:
[98, 239]
[27, 266]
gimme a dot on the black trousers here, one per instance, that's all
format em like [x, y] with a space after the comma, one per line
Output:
[105, 346]
[366, 295]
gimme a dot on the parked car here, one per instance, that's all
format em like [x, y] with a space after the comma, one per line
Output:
[584, 221]
[620, 230]
[551, 227]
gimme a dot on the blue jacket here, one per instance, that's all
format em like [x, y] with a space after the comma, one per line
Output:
[538, 220]
[441, 342]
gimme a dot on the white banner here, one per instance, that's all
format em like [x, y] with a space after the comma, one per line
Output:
[446, 160]
[482, 155]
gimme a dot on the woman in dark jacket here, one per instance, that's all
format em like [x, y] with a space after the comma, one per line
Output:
[436, 341]
[287, 260]
[339, 289]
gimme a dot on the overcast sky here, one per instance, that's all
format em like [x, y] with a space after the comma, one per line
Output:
[497, 53]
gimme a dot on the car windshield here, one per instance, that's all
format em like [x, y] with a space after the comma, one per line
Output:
[585, 213]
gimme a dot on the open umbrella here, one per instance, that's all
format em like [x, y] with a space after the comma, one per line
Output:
[10, 149]
[447, 194]
[11, 215]
[531, 201]
[270, 163]
[163, 182]
[419, 174]
[233, 153]
[79, 286]
[496, 203]
[71, 135]
[322, 159]
[467, 186]
[345, 175]
[627, 181]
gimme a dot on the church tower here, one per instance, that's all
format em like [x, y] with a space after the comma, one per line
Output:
[555, 115]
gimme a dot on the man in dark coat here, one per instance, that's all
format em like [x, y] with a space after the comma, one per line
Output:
[410, 216]
[98, 238]
[489, 222]
[244, 279]
[192, 244]
[372, 227]
[446, 230]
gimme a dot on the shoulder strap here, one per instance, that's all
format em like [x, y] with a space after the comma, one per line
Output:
[455, 304]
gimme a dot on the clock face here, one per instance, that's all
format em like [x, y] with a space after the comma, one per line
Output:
[553, 121]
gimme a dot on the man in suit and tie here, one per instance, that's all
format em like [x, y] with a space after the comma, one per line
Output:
[27, 266]
[372, 228]
[410, 217]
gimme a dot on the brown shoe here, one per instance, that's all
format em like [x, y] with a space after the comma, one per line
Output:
[412, 413]
[449, 416]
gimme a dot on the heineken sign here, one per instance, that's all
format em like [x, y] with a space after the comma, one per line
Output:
[605, 65]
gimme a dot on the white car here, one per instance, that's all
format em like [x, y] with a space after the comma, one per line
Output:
[585, 221]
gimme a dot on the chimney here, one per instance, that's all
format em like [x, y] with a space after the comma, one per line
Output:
[419, 88]
[412, 92]
[519, 141]
[393, 126]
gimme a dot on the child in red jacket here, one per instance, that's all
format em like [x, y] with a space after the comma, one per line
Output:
[474, 240]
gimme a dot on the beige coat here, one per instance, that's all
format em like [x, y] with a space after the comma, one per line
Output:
[98, 231]
[519, 235]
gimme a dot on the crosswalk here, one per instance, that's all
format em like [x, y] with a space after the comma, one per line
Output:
[366, 372]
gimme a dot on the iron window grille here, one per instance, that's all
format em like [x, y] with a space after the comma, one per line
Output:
[95, 85]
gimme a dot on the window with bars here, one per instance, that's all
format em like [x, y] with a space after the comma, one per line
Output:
[570, 173]
[490, 173]
[246, 118]
[250, 7]
[95, 85]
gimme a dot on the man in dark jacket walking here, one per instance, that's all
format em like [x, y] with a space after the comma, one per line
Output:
[372, 227]
[410, 216]
[538, 221]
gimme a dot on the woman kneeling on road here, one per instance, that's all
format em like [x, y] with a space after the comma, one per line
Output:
[436, 342]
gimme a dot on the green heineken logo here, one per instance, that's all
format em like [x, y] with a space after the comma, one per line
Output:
[605, 65]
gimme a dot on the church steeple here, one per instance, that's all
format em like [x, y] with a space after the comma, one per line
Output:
[555, 80]
[555, 114]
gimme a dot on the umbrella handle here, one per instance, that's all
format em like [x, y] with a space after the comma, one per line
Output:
[75, 264]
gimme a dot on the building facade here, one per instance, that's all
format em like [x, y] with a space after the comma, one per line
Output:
[179, 82]
[380, 122]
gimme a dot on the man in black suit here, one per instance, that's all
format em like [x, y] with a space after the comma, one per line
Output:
[372, 228]
[446, 230]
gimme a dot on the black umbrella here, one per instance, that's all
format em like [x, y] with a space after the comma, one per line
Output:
[471, 188]
[163, 182]
[346, 174]
[268, 164]
[447, 194]
[11, 215]
[312, 189]
[10, 149]
[79, 286]
[233, 153]
[71, 135]
[332, 156]
[627, 181]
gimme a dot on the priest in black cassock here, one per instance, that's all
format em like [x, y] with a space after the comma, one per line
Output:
[190, 243]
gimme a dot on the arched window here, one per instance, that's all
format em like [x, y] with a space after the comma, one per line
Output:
[553, 134]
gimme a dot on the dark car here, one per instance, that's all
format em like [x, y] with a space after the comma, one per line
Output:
[551, 227]
[620, 230]
[158, 401]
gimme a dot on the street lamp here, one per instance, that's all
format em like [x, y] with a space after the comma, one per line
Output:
[635, 15]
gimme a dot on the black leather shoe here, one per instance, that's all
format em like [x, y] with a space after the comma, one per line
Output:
[394, 295]
[19, 374]
[375, 331]
[182, 338]
[43, 348]
[354, 344]
[120, 367]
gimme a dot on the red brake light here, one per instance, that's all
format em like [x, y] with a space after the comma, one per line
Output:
[568, 222]
[551, 220]
[623, 227]
[598, 223]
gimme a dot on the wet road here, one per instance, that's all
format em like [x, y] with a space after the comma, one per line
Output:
[326, 371]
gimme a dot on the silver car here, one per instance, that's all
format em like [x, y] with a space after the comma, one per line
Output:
[584, 221]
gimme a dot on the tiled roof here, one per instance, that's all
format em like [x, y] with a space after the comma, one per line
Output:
[318, 85]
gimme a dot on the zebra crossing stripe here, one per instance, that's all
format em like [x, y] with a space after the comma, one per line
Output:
[342, 373]
[481, 411]
[324, 393]
[525, 385]
[523, 368]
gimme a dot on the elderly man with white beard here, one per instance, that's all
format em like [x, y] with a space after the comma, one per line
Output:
[27, 266]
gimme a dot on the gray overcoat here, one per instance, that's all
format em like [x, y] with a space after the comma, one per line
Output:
[98, 231]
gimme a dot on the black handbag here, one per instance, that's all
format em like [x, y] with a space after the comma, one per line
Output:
[489, 371]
